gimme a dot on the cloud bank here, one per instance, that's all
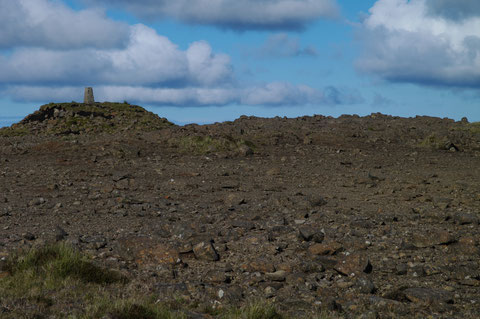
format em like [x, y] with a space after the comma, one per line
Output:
[404, 42]
[233, 14]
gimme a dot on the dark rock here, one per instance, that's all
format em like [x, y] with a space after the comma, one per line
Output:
[29, 236]
[365, 286]
[60, 234]
[309, 233]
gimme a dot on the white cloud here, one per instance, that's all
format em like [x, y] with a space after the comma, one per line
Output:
[50, 24]
[54, 51]
[148, 59]
[206, 67]
[234, 14]
[403, 42]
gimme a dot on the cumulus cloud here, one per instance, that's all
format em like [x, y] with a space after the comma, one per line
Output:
[454, 9]
[283, 45]
[234, 14]
[148, 59]
[50, 24]
[403, 42]
[52, 52]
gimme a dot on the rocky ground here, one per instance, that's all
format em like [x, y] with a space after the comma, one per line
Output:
[373, 217]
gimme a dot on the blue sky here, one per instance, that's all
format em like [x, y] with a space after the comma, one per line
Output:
[205, 61]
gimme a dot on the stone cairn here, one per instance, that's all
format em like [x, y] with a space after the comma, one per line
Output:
[88, 97]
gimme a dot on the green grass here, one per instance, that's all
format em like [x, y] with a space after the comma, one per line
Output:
[253, 310]
[57, 280]
[434, 141]
[474, 127]
[57, 262]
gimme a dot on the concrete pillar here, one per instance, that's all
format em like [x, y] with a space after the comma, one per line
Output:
[88, 97]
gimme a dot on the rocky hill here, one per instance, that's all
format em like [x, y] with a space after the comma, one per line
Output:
[358, 217]
[79, 118]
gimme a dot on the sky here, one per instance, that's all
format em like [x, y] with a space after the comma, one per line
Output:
[205, 61]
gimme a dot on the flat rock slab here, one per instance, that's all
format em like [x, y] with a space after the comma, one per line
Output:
[326, 248]
[428, 295]
[422, 240]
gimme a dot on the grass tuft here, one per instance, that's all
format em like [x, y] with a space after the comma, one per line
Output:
[56, 262]
[253, 310]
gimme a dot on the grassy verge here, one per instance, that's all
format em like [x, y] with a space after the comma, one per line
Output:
[58, 281]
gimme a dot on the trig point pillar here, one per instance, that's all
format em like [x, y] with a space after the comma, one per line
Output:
[88, 97]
